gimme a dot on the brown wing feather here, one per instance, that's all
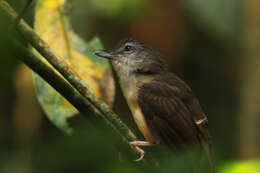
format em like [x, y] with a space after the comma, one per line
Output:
[171, 110]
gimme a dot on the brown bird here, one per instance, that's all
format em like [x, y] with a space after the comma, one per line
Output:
[163, 106]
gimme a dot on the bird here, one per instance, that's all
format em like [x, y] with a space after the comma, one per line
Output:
[163, 106]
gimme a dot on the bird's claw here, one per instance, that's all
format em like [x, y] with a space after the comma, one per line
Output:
[136, 144]
[139, 159]
[141, 152]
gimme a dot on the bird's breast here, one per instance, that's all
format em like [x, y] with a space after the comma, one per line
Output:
[130, 92]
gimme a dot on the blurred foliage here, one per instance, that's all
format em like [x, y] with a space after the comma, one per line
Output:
[220, 18]
[119, 9]
[251, 166]
[54, 28]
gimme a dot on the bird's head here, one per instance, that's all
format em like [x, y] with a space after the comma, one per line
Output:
[131, 57]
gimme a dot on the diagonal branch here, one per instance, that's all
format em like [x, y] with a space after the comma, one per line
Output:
[74, 89]
[53, 78]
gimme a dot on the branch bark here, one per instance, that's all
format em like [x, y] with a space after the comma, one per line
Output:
[75, 90]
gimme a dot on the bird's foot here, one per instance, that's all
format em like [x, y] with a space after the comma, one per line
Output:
[136, 145]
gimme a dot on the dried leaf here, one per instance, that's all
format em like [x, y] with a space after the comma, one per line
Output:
[53, 27]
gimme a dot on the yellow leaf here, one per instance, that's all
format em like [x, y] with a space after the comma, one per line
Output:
[53, 27]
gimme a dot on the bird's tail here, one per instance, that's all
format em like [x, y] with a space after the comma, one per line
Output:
[207, 149]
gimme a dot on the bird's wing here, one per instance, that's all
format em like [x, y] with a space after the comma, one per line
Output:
[172, 112]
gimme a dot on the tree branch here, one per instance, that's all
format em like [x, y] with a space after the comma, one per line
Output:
[78, 93]
[53, 78]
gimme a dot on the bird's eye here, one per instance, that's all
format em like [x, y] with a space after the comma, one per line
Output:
[128, 48]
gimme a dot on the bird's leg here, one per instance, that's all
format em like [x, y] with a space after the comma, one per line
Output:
[136, 145]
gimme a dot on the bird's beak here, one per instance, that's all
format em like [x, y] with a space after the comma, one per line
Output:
[105, 54]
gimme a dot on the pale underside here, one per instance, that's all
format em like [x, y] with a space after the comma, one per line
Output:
[130, 91]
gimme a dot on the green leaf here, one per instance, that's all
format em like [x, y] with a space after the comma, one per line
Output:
[54, 105]
[53, 27]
